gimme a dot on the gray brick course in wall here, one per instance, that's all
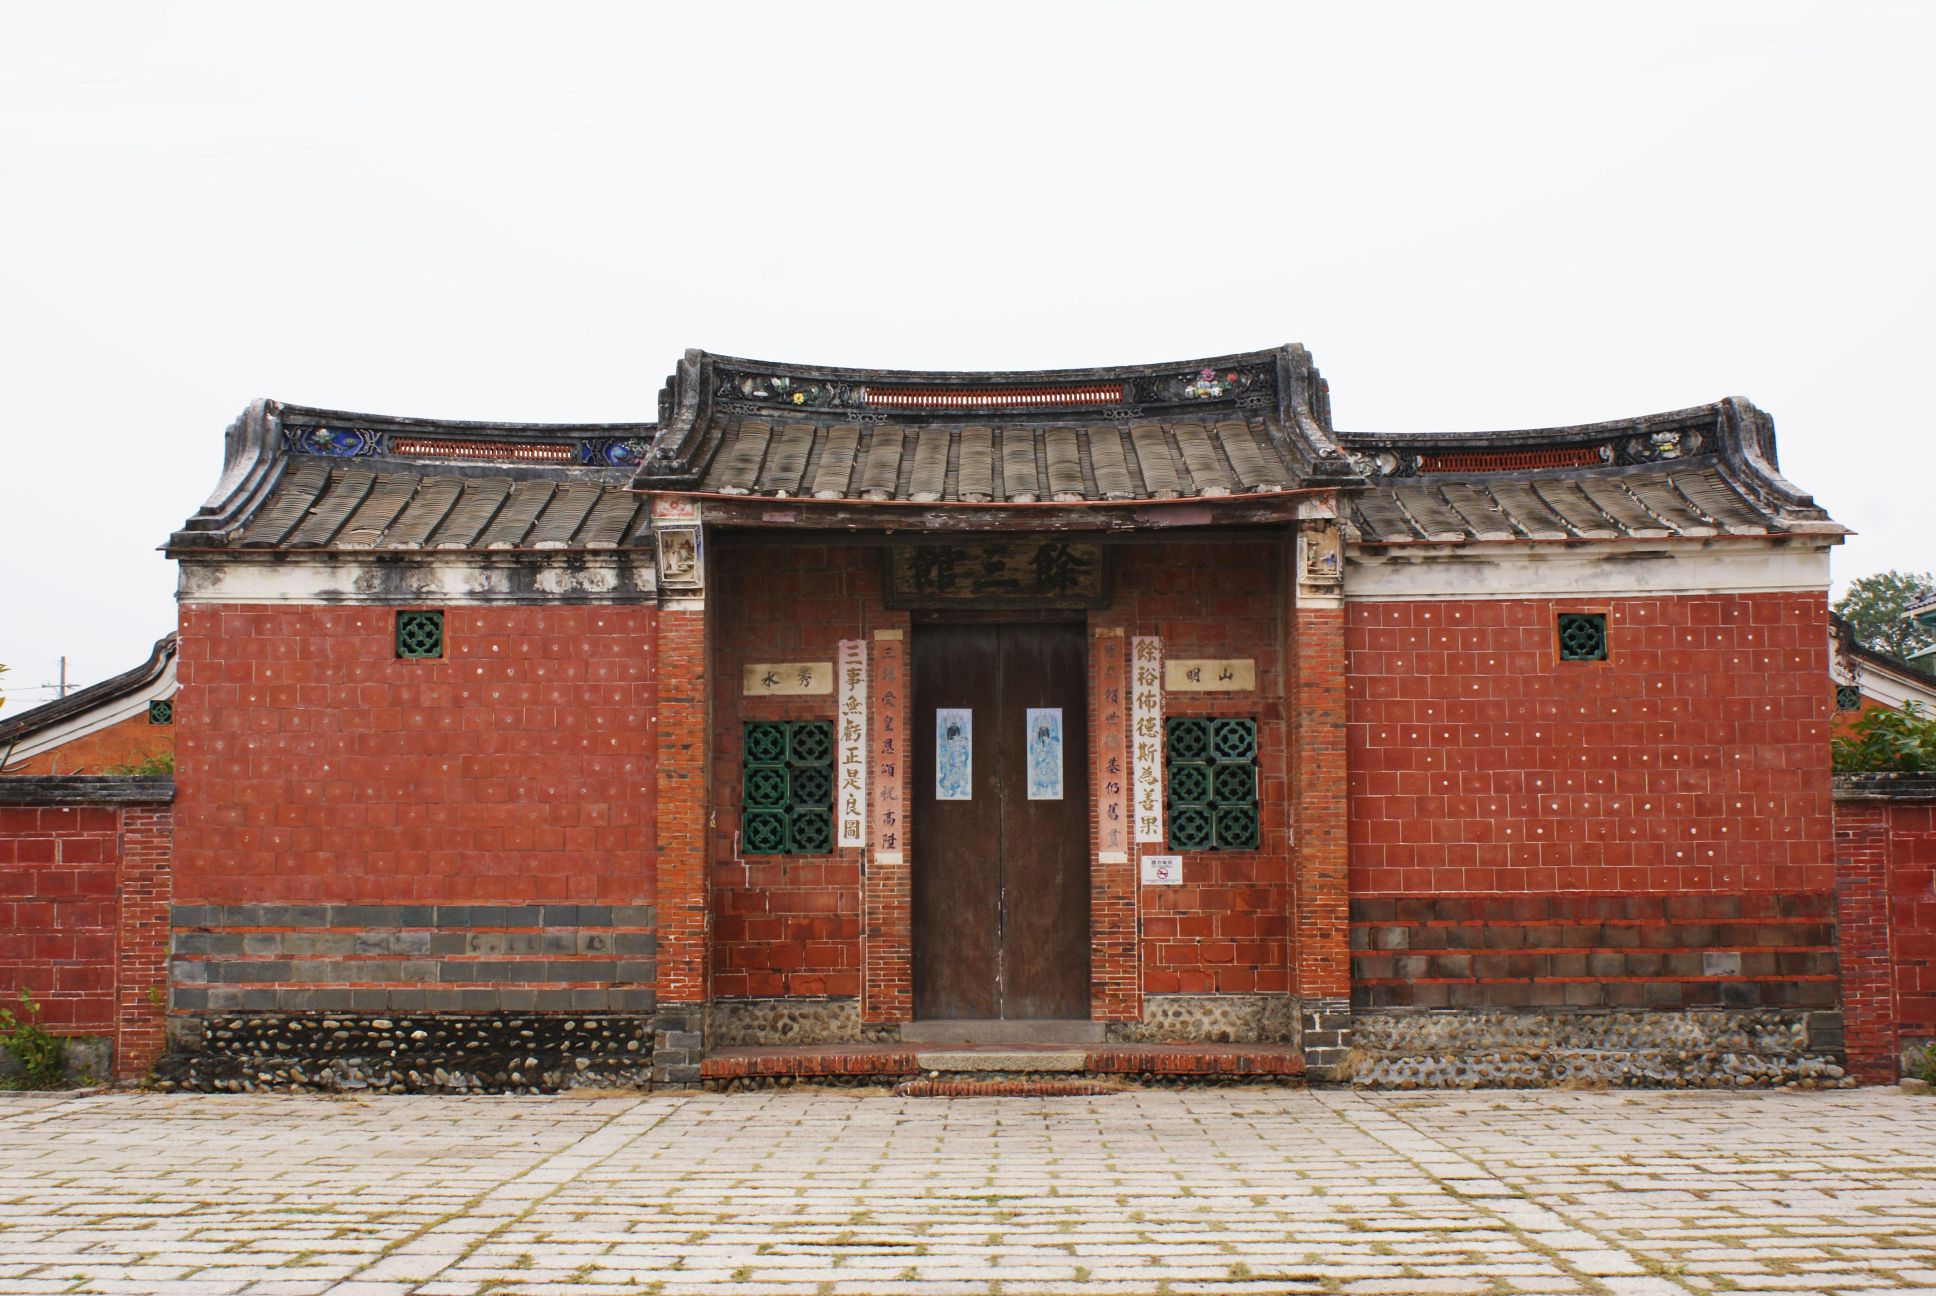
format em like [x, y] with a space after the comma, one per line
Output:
[413, 958]
[391, 916]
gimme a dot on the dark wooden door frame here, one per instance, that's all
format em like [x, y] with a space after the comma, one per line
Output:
[1000, 888]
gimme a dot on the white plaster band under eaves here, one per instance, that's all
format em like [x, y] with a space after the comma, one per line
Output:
[437, 579]
[1600, 569]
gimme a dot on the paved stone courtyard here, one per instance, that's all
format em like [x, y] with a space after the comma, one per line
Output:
[808, 1191]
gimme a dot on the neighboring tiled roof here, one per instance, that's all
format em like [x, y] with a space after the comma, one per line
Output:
[1880, 676]
[117, 688]
[318, 505]
[1643, 503]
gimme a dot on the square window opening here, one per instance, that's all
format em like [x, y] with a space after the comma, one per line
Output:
[1583, 636]
[161, 711]
[420, 635]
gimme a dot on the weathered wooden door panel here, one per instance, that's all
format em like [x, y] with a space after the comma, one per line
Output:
[1045, 843]
[1001, 882]
[955, 846]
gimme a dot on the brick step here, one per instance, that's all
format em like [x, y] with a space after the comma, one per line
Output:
[964, 1063]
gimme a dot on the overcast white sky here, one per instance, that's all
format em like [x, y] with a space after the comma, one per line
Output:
[1475, 215]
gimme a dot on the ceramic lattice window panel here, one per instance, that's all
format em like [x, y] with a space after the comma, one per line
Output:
[786, 787]
[1211, 790]
[420, 635]
[1582, 636]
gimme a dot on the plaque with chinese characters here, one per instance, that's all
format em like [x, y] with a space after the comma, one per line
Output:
[1012, 574]
[1146, 734]
[1209, 675]
[787, 679]
[850, 805]
[890, 731]
[1111, 673]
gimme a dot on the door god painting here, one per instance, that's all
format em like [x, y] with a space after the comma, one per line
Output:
[1045, 753]
[954, 752]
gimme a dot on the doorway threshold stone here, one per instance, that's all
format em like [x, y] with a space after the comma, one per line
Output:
[1002, 1032]
[983, 1058]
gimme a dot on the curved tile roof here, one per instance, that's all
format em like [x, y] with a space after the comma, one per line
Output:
[932, 462]
[1705, 471]
[1227, 425]
[310, 479]
[1230, 426]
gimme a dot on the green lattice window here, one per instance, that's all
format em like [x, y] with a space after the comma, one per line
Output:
[787, 787]
[1211, 796]
[1583, 636]
[420, 634]
[1848, 697]
[161, 711]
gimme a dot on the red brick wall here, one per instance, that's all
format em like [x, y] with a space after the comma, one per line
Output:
[58, 870]
[1227, 929]
[84, 894]
[784, 925]
[126, 742]
[1912, 914]
[1694, 760]
[1886, 896]
[142, 933]
[313, 766]
[1870, 1027]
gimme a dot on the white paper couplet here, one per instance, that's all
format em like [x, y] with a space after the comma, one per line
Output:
[851, 803]
[954, 754]
[1146, 734]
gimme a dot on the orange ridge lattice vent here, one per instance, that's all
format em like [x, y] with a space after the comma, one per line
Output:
[495, 451]
[993, 397]
[1512, 460]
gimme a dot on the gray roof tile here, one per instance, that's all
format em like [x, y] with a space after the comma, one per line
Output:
[1668, 500]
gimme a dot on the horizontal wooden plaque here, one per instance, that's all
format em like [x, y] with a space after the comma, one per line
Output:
[1209, 675]
[1048, 574]
[786, 679]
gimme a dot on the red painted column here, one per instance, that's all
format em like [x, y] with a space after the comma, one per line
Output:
[1321, 956]
[142, 931]
[887, 896]
[681, 793]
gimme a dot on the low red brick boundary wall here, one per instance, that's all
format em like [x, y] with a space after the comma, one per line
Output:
[1885, 887]
[84, 894]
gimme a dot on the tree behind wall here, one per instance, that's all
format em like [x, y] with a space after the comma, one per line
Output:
[1877, 610]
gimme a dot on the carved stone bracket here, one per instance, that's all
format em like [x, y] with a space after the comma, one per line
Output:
[679, 540]
[1320, 560]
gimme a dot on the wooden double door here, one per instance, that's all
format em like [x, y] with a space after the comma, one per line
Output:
[1000, 849]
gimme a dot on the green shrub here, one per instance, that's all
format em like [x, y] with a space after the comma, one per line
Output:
[156, 762]
[1901, 741]
[40, 1058]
